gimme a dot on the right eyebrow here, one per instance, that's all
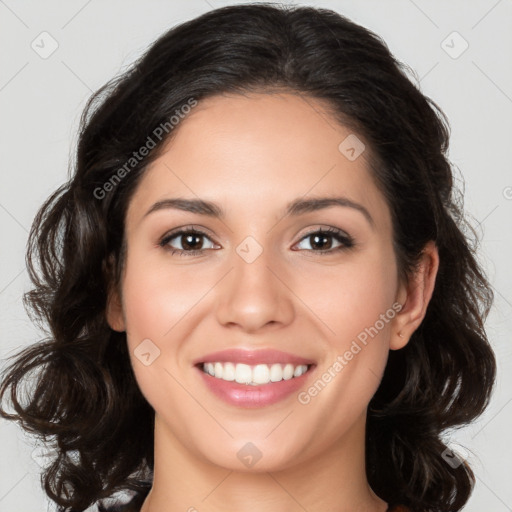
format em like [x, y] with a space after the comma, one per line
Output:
[198, 206]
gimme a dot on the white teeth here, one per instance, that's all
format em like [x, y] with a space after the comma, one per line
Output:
[219, 370]
[254, 375]
[276, 373]
[299, 371]
[228, 372]
[209, 368]
[261, 374]
[243, 373]
[288, 371]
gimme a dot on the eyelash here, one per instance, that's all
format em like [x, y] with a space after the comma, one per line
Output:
[345, 240]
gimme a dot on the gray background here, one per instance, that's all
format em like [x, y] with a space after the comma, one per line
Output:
[41, 100]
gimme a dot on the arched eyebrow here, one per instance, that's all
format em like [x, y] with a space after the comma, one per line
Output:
[296, 207]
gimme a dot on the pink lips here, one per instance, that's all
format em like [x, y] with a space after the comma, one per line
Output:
[248, 396]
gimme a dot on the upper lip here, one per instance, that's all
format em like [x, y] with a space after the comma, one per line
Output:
[261, 356]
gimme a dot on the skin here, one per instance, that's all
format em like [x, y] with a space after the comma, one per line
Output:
[252, 155]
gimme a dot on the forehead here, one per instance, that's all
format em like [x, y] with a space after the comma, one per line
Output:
[259, 151]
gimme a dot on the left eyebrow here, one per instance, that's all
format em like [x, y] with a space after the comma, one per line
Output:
[296, 207]
[301, 206]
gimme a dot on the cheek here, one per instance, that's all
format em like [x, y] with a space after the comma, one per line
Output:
[354, 304]
[156, 297]
[156, 303]
[351, 296]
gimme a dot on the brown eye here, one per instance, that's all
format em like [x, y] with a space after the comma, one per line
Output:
[321, 241]
[190, 242]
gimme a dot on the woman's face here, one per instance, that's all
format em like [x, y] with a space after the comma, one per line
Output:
[259, 280]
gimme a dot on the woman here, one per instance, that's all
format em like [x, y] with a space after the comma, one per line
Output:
[258, 290]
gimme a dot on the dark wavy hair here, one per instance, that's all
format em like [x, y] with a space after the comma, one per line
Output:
[84, 396]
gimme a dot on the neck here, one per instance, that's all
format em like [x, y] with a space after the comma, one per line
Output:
[334, 480]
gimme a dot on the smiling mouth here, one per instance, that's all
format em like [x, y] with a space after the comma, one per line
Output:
[254, 375]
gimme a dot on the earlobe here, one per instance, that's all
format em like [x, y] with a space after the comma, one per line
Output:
[415, 297]
[114, 307]
[114, 312]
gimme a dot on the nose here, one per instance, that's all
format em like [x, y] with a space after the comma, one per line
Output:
[255, 295]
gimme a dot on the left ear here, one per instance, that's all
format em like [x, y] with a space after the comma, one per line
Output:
[114, 307]
[415, 297]
[114, 312]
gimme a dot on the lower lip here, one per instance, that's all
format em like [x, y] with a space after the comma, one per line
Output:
[245, 395]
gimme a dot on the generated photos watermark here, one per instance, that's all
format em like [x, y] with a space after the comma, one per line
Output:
[156, 136]
[305, 397]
